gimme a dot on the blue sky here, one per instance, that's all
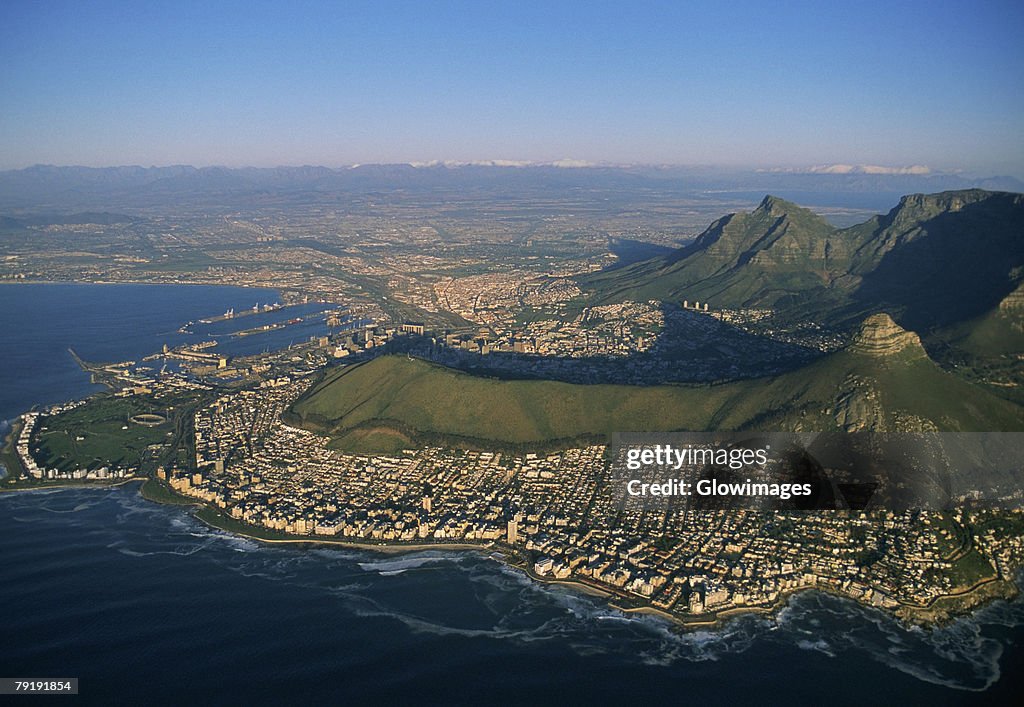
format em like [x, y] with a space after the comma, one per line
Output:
[784, 84]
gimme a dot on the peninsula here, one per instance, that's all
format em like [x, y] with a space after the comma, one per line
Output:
[399, 434]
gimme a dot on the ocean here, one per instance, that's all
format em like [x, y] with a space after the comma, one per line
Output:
[145, 604]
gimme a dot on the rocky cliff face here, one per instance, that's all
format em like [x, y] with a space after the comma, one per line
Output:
[858, 406]
[1013, 303]
[880, 336]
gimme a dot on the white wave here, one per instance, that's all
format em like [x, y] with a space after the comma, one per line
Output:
[178, 550]
[238, 544]
[407, 562]
[337, 553]
[821, 646]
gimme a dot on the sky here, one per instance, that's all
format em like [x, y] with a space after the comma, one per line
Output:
[735, 84]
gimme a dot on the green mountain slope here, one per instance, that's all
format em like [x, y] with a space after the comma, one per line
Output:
[741, 259]
[988, 349]
[998, 332]
[932, 261]
[882, 381]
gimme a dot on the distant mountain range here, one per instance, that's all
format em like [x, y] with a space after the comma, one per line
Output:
[87, 188]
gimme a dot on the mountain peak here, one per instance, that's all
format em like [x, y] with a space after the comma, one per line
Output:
[775, 205]
[880, 336]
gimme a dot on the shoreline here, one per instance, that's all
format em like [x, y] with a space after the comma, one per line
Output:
[930, 616]
[210, 520]
[393, 549]
[91, 484]
[382, 548]
[927, 616]
[9, 454]
[406, 548]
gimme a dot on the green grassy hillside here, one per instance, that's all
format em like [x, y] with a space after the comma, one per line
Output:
[394, 402]
[989, 349]
[999, 332]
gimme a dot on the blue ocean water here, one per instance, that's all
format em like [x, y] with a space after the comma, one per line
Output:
[102, 323]
[146, 605]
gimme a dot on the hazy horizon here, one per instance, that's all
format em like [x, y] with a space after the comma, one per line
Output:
[738, 87]
[568, 163]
